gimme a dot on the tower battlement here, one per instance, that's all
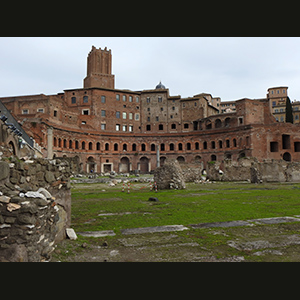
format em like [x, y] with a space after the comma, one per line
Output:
[99, 65]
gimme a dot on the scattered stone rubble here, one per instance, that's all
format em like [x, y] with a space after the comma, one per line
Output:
[169, 176]
[35, 203]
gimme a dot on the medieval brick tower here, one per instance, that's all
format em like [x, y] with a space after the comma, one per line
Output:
[99, 69]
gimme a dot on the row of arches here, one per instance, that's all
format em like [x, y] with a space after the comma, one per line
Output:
[217, 123]
[69, 144]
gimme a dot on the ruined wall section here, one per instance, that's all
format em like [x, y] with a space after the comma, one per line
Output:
[35, 207]
[249, 169]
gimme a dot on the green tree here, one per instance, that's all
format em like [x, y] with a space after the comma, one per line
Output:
[289, 111]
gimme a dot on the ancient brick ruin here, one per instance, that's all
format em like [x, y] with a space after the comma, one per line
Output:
[109, 129]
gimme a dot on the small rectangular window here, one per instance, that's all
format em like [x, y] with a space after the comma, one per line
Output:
[25, 111]
[124, 127]
[124, 115]
[297, 146]
[118, 114]
[286, 143]
[86, 112]
[103, 126]
[118, 97]
[130, 98]
[103, 99]
[103, 113]
[124, 98]
[73, 100]
[130, 128]
[40, 110]
[85, 99]
[117, 127]
[274, 146]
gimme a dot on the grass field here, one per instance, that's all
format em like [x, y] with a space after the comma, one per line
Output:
[99, 207]
[213, 202]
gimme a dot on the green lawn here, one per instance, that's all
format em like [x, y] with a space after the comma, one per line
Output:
[213, 202]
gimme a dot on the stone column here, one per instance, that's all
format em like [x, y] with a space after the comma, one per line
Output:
[50, 142]
[157, 156]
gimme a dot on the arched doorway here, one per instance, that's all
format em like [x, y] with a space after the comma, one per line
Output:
[287, 156]
[124, 165]
[12, 147]
[91, 165]
[144, 165]
[180, 159]
[162, 160]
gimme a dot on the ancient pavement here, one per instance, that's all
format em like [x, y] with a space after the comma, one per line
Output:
[170, 228]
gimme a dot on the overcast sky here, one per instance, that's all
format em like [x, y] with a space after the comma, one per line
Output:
[229, 67]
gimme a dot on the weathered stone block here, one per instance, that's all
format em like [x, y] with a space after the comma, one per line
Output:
[26, 218]
[49, 176]
[4, 170]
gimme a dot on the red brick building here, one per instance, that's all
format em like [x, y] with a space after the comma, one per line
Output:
[121, 130]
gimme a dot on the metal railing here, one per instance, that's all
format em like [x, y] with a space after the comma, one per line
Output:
[13, 124]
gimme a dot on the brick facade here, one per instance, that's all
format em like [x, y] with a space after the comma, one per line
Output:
[112, 129]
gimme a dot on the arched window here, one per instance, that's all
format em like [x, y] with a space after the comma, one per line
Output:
[76, 145]
[188, 146]
[90, 146]
[98, 146]
[107, 147]
[180, 146]
[152, 147]
[54, 142]
[70, 144]
[65, 143]
[218, 123]
[133, 147]
[227, 122]
[208, 124]
[116, 147]
[143, 147]
[204, 145]
[171, 147]
[197, 146]
[213, 157]
[227, 143]
[83, 145]
[287, 156]
[162, 147]
[124, 147]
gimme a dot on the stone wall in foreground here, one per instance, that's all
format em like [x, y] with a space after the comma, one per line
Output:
[35, 207]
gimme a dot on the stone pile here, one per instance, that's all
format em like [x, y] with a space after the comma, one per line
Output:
[35, 202]
[169, 176]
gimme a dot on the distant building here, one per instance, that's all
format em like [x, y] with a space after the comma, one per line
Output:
[111, 129]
